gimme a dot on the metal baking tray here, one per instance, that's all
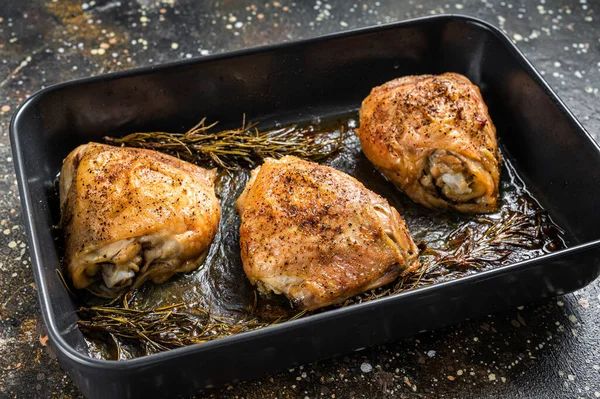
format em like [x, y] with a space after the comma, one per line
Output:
[552, 152]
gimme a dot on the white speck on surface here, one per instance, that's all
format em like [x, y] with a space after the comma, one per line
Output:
[12, 244]
[559, 303]
[492, 377]
[572, 318]
[459, 372]
[557, 64]
[571, 377]
[578, 74]
[431, 353]
[174, 46]
[517, 37]
[588, 90]
[588, 18]
[238, 24]
[344, 24]
[459, 6]
[475, 339]
[366, 368]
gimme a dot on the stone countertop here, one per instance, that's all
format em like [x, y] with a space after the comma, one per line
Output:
[543, 350]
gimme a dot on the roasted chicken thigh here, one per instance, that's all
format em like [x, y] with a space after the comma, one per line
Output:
[318, 235]
[432, 136]
[131, 215]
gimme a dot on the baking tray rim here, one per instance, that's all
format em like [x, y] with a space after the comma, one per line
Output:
[60, 344]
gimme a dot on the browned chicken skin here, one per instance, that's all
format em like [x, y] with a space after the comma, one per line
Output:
[318, 235]
[131, 215]
[432, 136]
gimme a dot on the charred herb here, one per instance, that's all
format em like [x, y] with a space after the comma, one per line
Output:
[486, 241]
[245, 146]
[165, 328]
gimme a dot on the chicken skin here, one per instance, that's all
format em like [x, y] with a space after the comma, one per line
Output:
[318, 235]
[432, 136]
[131, 215]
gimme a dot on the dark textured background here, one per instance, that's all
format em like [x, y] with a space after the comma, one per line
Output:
[545, 350]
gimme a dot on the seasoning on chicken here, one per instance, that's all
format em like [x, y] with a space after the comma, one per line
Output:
[318, 235]
[131, 215]
[432, 136]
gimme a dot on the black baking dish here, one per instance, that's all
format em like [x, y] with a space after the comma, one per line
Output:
[301, 80]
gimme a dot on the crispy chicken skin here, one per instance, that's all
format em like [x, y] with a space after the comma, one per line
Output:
[318, 235]
[432, 136]
[131, 215]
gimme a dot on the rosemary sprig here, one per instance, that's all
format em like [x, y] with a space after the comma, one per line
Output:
[230, 148]
[477, 244]
[165, 328]
[487, 242]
